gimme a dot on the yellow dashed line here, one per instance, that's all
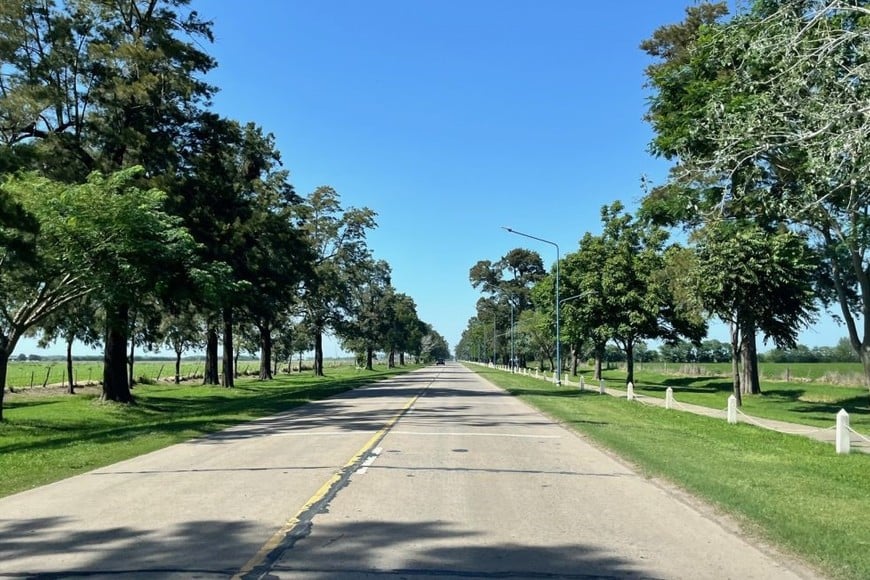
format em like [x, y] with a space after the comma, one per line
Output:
[291, 524]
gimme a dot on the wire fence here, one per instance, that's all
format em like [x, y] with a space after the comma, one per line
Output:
[40, 374]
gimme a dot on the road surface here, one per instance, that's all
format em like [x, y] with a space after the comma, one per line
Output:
[435, 474]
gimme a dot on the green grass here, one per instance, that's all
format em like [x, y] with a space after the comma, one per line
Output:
[789, 490]
[47, 437]
[829, 372]
[815, 404]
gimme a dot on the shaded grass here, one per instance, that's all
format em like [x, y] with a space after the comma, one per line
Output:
[46, 438]
[790, 490]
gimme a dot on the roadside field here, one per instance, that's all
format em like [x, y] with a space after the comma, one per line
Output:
[35, 374]
[838, 373]
[784, 489]
[48, 435]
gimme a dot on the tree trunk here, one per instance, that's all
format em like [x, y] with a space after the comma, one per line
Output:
[227, 374]
[210, 374]
[115, 385]
[599, 356]
[629, 362]
[391, 360]
[574, 357]
[69, 367]
[300, 361]
[177, 367]
[130, 362]
[402, 358]
[318, 352]
[265, 351]
[369, 357]
[749, 382]
[735, 364]
[5, 351]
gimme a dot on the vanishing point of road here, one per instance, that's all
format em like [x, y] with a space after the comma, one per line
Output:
[431, 475]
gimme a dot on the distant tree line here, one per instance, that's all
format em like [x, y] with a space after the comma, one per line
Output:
[715, 351]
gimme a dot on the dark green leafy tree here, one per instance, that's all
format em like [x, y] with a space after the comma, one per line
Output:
[639, 296]
[367, 328]
[337, 236]
[507, 285]
[755, 279]
[433, 346]
[404, 329]
[509, 279]
[105, 238]
[93, 85]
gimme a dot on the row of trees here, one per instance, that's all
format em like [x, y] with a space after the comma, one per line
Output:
[716, 351]
[764, 117]
[131, 214]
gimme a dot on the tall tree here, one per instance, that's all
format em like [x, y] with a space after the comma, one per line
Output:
[749, 276]
[104, 86]
[773, 104]
[337, 236]
[106, 238]
[366, 328]
[639, 298]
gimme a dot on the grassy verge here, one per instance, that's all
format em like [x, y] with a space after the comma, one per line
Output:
[806, 403]
[47, 437]
[788, 490]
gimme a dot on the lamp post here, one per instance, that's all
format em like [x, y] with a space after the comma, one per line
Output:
[558, 338]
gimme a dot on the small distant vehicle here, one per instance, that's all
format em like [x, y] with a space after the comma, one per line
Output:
[439, 361]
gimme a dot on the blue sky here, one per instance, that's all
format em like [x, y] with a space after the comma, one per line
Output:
[451, 119]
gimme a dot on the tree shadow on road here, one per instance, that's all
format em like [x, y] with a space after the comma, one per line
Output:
[438, 549]
[218, 549]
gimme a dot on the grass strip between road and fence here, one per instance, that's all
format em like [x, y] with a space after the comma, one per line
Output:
[51, 436]
[785, 489]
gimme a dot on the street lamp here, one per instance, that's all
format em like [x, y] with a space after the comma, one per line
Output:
[558, 338]
[581, 295]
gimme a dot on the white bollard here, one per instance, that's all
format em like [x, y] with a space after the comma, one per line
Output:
[844, 441]
[554, 379]
[629, 391]
[582, 386]
[732, 410]
[669, 398]
[601, 386]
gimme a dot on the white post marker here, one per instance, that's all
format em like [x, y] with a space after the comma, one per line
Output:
[601, 386]
[582, 386]
[669, 398]
[843, 439]
[629, 391]
[732, 410]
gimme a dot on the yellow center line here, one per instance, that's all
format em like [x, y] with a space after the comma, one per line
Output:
[291, 524]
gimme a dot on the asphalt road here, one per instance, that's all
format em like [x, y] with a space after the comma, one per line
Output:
[436, 474]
